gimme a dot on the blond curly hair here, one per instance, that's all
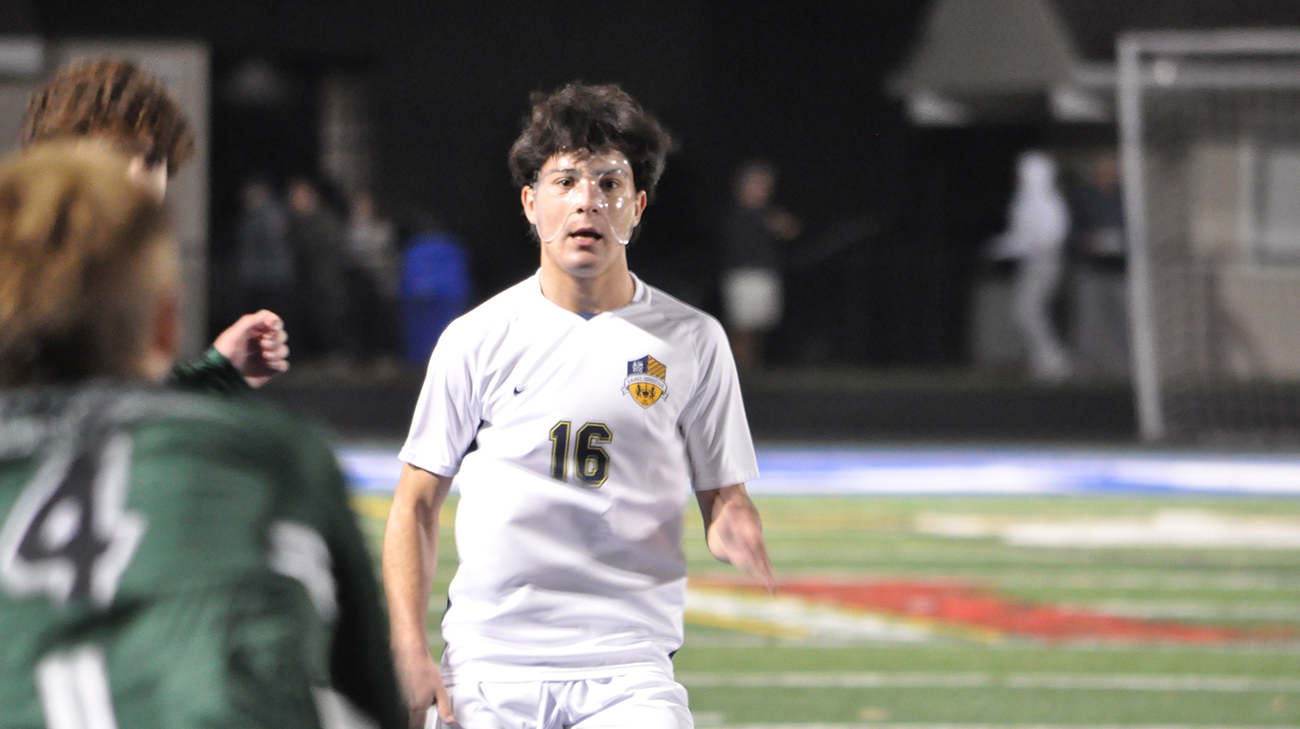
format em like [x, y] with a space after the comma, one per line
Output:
[84, 256]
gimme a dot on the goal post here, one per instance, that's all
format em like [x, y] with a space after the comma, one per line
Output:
[1209, 126]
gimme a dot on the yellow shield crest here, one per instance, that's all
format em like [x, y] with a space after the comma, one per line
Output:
[646, 393]
[647, 381]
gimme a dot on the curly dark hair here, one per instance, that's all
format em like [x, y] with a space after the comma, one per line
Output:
[116, 99]
[595, 118]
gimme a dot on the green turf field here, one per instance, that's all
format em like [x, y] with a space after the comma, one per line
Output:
[795, 661]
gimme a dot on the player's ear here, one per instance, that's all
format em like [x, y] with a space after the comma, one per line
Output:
[641, 201]
[528, 198]
[151, 176]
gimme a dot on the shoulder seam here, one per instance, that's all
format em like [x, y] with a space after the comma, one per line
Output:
[692, 318]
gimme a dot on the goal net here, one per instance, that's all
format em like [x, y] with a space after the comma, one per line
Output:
[1210, 147]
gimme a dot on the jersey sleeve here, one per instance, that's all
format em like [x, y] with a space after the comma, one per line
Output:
[718, 442]
[360, 663]
[448, 412]
[212, 373]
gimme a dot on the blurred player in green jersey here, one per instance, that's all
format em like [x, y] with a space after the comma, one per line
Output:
[166, 559]
[114, 103]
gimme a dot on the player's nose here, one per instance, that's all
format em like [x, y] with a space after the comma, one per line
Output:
[588, 196]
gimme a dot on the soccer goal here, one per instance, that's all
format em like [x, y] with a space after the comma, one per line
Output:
[1210, 148]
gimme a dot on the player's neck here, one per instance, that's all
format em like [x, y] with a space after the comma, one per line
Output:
[611, 289]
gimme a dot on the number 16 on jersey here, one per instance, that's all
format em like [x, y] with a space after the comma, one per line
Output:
[590, 461]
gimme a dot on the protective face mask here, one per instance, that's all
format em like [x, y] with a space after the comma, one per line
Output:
[606, 194]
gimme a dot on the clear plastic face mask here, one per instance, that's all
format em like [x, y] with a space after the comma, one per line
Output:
[586, 193]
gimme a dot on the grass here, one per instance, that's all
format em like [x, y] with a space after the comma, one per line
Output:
[737, 678]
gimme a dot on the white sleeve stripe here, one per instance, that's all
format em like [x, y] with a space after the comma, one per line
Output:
[337, 712]
[300, 552]
[74, 690]
[732, 480]
[439, 468]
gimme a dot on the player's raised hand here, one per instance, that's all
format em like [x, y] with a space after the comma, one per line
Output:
[257, 345]
[734, 532]
[423, 688]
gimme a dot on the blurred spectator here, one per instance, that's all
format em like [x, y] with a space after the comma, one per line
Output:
[1100, 322]
[751, 277]
[317, 238]
[435, 287]
[1038, 223]
[264, 262]
[373, 272]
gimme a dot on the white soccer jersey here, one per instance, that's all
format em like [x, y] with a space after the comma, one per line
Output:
[590, 436]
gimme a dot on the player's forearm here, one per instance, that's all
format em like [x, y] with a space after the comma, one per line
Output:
[734, 532]
[717, 548]
[410, 559]
[727, 510]
[712, 532]
[711, 509]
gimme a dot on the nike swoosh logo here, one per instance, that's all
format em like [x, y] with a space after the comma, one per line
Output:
[518, 390]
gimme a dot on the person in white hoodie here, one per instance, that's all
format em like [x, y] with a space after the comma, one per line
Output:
[1038, 223]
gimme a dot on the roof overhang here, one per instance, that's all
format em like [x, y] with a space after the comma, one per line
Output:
[1000, 60]
[21, 56]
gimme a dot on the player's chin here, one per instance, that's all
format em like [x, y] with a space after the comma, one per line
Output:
[588, 253]
[585, 265]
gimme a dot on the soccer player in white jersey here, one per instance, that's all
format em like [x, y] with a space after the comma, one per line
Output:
[577, 411]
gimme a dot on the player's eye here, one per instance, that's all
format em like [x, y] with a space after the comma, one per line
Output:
[610, 183]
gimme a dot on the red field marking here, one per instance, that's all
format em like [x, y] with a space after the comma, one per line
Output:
[956, 603]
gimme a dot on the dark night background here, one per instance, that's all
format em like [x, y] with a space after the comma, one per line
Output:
[799, 83]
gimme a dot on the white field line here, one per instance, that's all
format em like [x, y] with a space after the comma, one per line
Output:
[1069, 576]
[1148, 580]
[880, 725]
[743, 641]
[1166, 528]
[859, 558]
[793, 618]
[1068, 682]
[1196, 610]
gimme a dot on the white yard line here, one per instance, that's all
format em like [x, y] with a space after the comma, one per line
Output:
[1148, 580]
[1068, 682]
[1196, 610]
[758, 642]
[881, 725]
[1065, 577]
[794, 618]
[1178, 528]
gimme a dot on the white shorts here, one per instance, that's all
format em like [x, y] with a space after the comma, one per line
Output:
[753, 298]
[645, 700]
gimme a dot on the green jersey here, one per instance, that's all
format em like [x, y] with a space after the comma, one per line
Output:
[177, 560]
